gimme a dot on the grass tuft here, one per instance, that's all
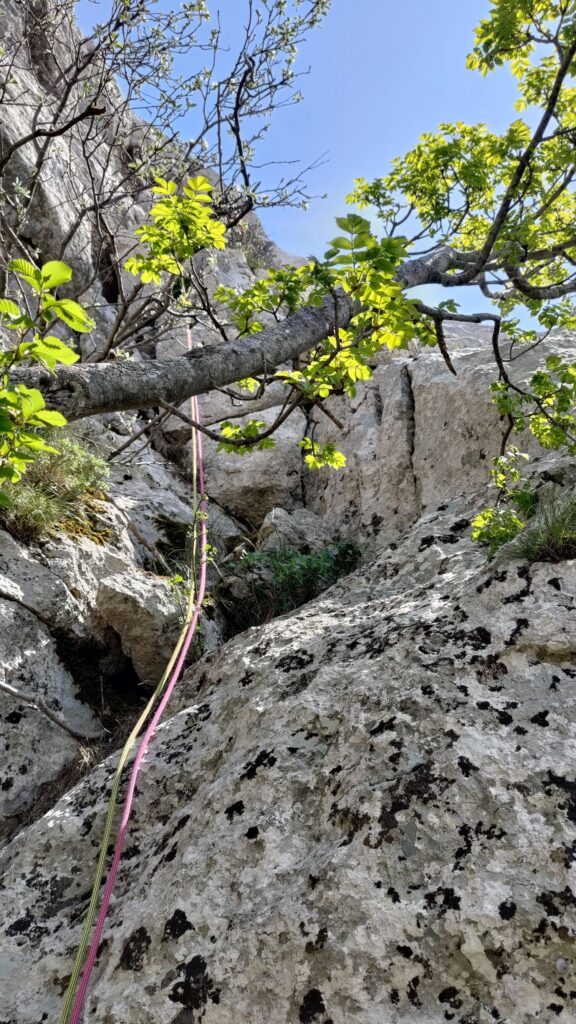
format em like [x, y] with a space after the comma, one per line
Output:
[550, 535]
[55, 493]
[280, 580]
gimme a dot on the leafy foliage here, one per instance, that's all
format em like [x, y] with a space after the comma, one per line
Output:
[498, 208]
[358, 264]
[23, 412]
[495, 526]
[182, 224]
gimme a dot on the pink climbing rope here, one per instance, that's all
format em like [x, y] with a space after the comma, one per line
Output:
[129, 798]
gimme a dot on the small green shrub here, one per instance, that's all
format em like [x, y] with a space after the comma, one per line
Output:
[550, 535]
[494, 527]
[55, 493]
[281, 580]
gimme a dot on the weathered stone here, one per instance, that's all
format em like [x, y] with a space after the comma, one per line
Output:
[415, 436]
[364, 815]
[33, 750]
[301, 529]
[144, 612]
[251, 485]
[374, 498]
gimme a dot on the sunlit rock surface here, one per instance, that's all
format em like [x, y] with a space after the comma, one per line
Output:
[361, 812]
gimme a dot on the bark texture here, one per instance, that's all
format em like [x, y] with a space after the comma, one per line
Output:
[86, 390]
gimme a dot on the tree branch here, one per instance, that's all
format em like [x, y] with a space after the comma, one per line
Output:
[49, 133]
[88, 389]
[32, 700]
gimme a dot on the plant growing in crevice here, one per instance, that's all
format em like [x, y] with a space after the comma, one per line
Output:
[498, 524]
[275, 582]
[23, 413]
[550, 535]
[57, 493]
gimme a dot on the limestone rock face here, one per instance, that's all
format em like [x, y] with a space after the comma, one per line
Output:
[415, 436]
[301, 529]
[374, 499]
[251, 485]
[143, 610]
[361, 812]
[74, 610]
[33, 750]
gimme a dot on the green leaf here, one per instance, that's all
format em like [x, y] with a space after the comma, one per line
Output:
[53, 418]
[31, 401]
[27, 272]
[71, 313]
[51, 350]
[353, 224]
[340, 242]
[9, 309]
[54, 273]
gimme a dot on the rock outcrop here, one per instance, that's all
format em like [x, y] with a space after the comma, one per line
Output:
[361, 812]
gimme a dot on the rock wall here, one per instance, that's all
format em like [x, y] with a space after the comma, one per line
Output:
[361, 812]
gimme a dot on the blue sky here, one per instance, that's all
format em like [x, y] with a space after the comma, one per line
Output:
[382, 72]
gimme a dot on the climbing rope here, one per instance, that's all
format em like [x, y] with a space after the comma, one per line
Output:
[88, 948]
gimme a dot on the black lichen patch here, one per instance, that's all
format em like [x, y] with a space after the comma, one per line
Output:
[383, 726]
[180, 824]
[568, 786]
[319, 941]
[555, 902]
[450, 995]
[252, 832]
[541, 719]
[444, 899]
[291, 662]
[504, 717]
[406, 951]
[176, 926]
[234, 809]
[420, 785]
[521, 624]
[412, 991]
[196, 986]
[466, 766]
[265, 759]
[349, 819]
[311, 1007]
[298, 684]
[14, 717]
[135, 949]
[29, 927]
[478, 638]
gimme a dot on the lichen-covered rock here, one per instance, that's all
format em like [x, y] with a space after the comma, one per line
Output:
[362, 812]
[33, 750]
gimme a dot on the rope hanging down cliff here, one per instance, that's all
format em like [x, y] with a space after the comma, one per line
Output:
[88, 948]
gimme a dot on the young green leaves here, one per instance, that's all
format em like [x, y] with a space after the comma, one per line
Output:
[23, 412]
[181, 225]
